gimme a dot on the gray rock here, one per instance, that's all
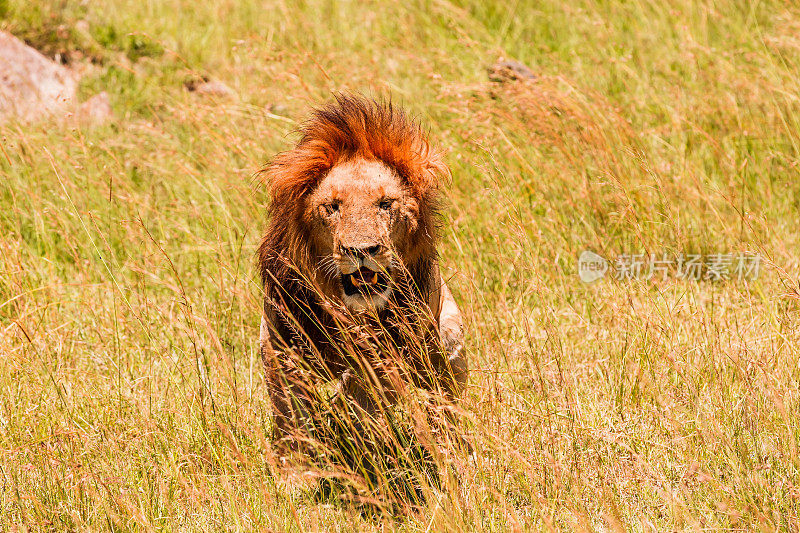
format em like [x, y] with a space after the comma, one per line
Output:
[31, 85]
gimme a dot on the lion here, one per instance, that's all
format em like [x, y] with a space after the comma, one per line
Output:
[350, 268]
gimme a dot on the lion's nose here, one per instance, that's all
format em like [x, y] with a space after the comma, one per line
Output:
[362, 251]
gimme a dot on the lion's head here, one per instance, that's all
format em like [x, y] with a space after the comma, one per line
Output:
[353, 204]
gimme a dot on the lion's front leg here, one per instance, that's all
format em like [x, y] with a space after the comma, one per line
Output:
[455, 368]
[370, 392]
[291, 392]
[448, 371]
[445, 369]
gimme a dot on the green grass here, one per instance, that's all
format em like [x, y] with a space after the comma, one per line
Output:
[131, 393]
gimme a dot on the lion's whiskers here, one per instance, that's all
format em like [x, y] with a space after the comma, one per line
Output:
[327, 265]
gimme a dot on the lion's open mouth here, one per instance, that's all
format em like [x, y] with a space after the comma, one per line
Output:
[365, 281]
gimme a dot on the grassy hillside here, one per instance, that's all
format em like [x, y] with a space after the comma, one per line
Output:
[131, 394]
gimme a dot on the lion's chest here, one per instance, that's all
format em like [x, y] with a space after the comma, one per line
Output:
[391, 339]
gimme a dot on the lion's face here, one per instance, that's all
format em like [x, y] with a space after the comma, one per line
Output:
[362, 217]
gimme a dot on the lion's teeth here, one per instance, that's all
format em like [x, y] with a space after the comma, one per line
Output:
[374, 279]
[355, 280]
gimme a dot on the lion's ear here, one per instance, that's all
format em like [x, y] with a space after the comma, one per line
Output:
[438, 169]
[292, 174]
[410, 213]
[432, 169]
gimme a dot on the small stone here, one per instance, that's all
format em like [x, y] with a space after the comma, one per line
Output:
[278, 109]
[510, 71]
[213, 88]
[96, 110]
[82, 26]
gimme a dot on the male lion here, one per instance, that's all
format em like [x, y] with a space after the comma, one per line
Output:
[350, 269]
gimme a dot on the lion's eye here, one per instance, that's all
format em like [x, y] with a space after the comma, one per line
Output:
[386, 203]
[332, 208]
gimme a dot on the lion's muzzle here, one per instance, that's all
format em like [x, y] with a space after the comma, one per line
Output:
[365, 273]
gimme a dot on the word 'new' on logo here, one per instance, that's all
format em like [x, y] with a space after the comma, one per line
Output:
[591, 266]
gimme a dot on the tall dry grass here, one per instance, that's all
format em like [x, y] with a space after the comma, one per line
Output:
[132, 392]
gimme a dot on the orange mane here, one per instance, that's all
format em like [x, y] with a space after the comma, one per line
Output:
[355, 127]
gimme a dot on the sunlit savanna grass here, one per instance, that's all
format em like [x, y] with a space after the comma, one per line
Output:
[131, 392]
